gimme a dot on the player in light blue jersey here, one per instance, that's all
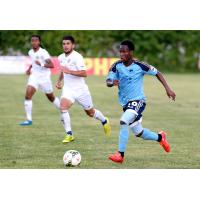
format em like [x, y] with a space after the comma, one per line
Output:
[128, 75]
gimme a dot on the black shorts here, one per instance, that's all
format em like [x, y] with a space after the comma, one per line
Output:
[138, 106]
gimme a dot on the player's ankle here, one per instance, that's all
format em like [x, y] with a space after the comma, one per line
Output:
[121, 153]
[159, 137]
[69, 133]
[104, 122]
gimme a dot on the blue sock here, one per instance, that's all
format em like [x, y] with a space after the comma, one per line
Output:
[123, 137]
[104, 122]
[149, 135]
[69, 133]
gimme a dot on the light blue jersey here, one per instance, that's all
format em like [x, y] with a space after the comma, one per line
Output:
[130, 80]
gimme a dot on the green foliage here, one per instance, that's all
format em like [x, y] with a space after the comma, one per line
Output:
[169, 50]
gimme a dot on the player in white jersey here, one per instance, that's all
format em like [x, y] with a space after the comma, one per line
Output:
[40, 77]
[73, 71]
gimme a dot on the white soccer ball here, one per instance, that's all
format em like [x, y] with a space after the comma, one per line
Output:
[72, 158]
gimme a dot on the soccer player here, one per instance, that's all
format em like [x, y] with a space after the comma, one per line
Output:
[128, 75]
[73, 71]
[40, 77]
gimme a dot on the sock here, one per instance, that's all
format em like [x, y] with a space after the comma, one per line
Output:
[57, 103]
[28, 109]
[159, 137]
[65, 119]
[99, 116]
[69, 133]
[123, 137]
[122, 153]
[149, 135]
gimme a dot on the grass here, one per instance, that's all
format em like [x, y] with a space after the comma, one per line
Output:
[40, 146]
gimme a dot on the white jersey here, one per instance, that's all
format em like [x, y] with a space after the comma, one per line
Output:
[74, 61]
[41, 55]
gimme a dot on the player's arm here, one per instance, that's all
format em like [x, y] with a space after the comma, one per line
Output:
[59, 81]
[169, 91]
[150, 70]
[112, 79]
[28, 71]
[48, 63]
[80, 73]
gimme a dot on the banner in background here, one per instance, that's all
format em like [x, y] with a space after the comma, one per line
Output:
[19, 64]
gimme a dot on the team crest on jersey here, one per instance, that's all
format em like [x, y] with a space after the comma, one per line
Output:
[68, 60]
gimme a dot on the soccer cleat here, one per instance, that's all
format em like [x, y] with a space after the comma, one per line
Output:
[107, 127]
[164, 142]
[116, 158]
[26, 123]
[68, 138]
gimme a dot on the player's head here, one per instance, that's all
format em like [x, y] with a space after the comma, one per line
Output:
[126, 49]
[68, 44]
[35, 41]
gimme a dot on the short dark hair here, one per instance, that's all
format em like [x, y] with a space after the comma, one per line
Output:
[69, 37]
[128, 43]
[37, 36]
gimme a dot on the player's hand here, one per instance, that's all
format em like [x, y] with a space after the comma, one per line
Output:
[171, 94]
[115, 82]
[65, 70]
[28, 72]
[111, 83]
[58, 85]
[37, 62]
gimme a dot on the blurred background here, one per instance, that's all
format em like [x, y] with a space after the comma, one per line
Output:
[169, 51]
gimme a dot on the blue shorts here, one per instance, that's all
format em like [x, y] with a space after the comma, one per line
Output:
[138, 106]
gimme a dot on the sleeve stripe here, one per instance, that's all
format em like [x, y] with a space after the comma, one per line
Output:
[144, 66]
[113, 67]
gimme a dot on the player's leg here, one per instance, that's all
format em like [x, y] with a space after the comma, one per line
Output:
[53, 99]
[65, 104]
[97, 114]
[47, 88]
[147, 134]
[30, 91]
[127, 117]
[85, 100]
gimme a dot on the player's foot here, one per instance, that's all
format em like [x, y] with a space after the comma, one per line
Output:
[116, 158]
[164, 142]
[68, 138]
[107, 127]
[26, 123]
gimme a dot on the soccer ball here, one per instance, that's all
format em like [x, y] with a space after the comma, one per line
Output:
[72, 158]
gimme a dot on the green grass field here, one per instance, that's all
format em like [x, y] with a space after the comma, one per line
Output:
[40, 146]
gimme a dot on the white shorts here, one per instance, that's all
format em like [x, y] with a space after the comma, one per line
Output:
[82, 97]
[42, 82]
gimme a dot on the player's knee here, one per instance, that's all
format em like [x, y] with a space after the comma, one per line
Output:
[139, 134]
[122, 122]
[62, 107]
[90, 113]
[51, 98]
[28, 97]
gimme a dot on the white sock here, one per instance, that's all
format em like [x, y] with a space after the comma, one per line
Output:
[65, 119]
[57, 103]
[99, 116]
[28, 109]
